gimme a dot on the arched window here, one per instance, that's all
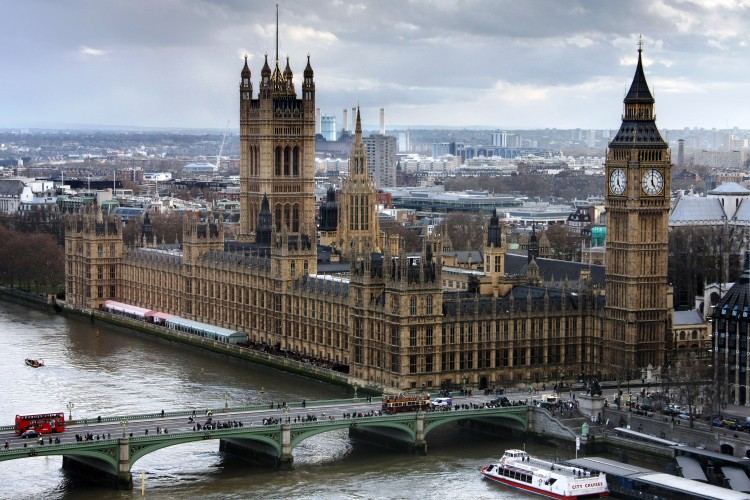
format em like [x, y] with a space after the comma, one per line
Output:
[413, 306]
[287, 215]
[429, 304]
[295, 218]
[295, 161]
[277, 217]
[287, 160]
[277, 160]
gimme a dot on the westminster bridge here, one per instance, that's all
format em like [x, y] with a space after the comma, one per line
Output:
[265, 434]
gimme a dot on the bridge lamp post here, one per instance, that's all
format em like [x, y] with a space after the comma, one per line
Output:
[355, 391]
[124, 424]
[226, 400]
[70, 410]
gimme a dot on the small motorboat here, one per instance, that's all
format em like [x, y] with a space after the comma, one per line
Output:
[34, 363]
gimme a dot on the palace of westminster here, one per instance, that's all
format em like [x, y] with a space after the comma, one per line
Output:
[388, 319]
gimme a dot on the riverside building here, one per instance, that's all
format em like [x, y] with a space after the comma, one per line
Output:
[389, 319]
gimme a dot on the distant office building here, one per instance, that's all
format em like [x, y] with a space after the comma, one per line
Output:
[721, 159]
[404, 141]
[681, 153]
[500, 139]
[381, 159]
[328, 127]
[441, 149]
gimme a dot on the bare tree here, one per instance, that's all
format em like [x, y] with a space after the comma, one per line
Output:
[410, 237]
[691, 377]
[564, 241]
[465, 230]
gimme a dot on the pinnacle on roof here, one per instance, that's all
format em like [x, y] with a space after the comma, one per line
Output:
[358, 128]
[246, 69]
[287, 70]
[308, 69]
[639, 91]
[266, 71]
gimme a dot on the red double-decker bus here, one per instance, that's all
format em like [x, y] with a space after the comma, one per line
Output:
[43, 423]
[406, 402]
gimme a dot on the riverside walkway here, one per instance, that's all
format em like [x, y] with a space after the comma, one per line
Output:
[106, 448]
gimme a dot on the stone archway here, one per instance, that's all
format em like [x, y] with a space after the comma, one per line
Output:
[483, 384]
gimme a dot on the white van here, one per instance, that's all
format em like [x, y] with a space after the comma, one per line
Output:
[442, 402]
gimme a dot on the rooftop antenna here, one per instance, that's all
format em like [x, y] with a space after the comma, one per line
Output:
[277, 32]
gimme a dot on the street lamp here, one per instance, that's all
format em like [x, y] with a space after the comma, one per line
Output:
[70, 410]
[124, 424]
[355, 390]
[226, 400]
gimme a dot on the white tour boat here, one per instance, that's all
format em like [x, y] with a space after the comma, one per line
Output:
[518, 470]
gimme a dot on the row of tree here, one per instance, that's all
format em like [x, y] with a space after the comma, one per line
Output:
[32, 261]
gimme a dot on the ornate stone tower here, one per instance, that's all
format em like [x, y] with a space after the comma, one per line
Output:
[93, 257]
[638, 170]
[494, 255]
[277, 150]
[358, 217]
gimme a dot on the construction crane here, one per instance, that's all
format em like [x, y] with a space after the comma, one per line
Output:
[221, 149]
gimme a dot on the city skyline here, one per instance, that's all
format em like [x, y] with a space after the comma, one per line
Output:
[540, 64]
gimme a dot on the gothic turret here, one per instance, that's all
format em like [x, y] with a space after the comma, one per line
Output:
[358, 216]
[246, 85]
[533, 248]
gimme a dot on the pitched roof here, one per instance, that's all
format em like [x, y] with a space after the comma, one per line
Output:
[554, 269]
[730, 188]
[696, 208]
[692, 317]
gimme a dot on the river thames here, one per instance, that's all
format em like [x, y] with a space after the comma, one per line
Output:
[106, 371]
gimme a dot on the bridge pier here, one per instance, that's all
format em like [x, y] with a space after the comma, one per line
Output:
[286, 459]
[124, 479]
[102, 473]
[420, 444]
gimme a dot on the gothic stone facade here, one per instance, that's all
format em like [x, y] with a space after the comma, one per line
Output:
[389, 320]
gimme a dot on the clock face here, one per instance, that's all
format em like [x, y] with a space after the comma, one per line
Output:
[617, 181]
[653, 182]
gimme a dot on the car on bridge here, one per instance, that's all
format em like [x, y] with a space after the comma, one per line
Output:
[500, 401]
[31, 433]
[442, 403]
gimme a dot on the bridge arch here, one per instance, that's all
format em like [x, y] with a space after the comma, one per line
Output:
[142, 446]
[405, 425]
[432, 423]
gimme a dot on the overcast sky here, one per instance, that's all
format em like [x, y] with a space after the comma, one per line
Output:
[496, 63]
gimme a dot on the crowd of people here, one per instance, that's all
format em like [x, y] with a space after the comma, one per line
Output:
[276, 350]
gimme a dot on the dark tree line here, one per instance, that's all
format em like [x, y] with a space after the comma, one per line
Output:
[566, 185]
[32, 261]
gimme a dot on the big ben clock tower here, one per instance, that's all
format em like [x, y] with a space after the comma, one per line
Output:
[638, 170]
